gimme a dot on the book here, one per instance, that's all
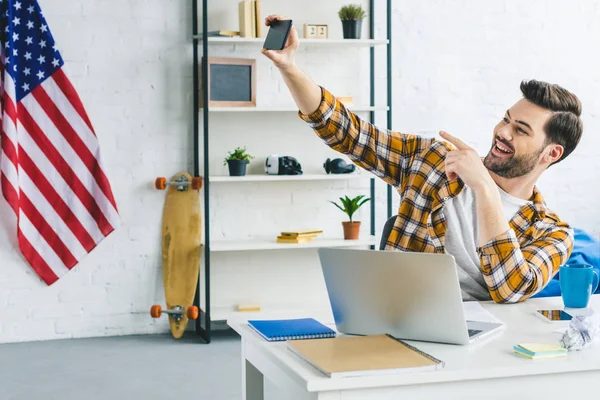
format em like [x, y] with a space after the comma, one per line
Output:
[259, 22]
[291, 239]
[221, 34]
[245, 19]
[291, 329]
[301, 233]
[348, 356]
[253, 17]
[540, 350]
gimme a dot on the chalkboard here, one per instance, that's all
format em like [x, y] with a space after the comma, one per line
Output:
[231, 82]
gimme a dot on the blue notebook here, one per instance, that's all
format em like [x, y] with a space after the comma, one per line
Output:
[291, 329]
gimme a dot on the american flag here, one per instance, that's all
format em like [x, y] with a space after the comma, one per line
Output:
[50, 169]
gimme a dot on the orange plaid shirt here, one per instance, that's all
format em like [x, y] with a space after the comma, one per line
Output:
[515, 265]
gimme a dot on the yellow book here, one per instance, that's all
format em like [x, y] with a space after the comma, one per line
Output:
[363, 355]
[252, 17]
[282, 239]
[301, 233]
[245, 19]
[258, 19]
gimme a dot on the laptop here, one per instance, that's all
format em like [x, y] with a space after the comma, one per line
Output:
[413, 296]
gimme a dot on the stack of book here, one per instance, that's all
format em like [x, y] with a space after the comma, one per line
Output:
[540, 350]
[298, 236]
[250, 21]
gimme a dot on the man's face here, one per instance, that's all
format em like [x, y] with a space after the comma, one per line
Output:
[519, 140]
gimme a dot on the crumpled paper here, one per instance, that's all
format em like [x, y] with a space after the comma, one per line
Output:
[581, 332]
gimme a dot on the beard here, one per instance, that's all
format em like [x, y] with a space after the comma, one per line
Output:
[512, 167]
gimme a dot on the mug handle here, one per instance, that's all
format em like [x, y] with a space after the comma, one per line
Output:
[596, 281]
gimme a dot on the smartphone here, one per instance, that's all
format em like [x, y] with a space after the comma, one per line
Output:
[278, 34]
[555, 315]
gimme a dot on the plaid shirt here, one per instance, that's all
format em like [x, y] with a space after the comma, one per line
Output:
[515, 265]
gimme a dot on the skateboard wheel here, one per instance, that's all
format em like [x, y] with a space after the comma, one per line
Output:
[192, 312]
[160, 183]
[156, 311]
[196, 183]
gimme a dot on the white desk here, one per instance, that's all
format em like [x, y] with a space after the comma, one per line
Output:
[487, 369]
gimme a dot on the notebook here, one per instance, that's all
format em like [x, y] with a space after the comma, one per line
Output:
[540, 350]
[291, 329]
[348, 356]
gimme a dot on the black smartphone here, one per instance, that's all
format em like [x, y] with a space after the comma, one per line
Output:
[278, 34]
[555, 315]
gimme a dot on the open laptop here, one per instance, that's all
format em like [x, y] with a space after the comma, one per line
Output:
[413, 296]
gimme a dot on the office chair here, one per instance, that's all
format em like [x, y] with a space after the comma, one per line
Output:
[387, 229]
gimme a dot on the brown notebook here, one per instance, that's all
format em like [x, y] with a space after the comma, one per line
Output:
[363, 355]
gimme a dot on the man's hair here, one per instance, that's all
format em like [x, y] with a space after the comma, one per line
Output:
[564, 126]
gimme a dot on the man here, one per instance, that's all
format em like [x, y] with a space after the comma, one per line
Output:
[487, 213]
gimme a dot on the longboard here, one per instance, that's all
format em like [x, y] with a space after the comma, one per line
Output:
[181, 245]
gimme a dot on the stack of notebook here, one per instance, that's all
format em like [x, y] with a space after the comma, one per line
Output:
[540, 350]
[298, 236]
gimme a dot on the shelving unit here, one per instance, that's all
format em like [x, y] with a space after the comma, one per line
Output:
[290, 109]
[202, 43]
[288, 178]
[271, 244]
[311, 42]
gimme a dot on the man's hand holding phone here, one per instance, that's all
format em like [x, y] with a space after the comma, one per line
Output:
[282, 58]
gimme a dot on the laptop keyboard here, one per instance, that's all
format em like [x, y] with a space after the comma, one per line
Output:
[473, 332]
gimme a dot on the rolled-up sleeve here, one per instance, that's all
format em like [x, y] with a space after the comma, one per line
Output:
[387, 154]
[514, 274]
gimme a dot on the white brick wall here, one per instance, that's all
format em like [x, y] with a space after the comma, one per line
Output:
[456, 66]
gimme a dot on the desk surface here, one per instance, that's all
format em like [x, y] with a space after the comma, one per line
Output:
[488, 358]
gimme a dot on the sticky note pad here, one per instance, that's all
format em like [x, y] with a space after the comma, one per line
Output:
[540, 350]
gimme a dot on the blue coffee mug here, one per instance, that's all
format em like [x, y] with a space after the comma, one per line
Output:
[577, 283]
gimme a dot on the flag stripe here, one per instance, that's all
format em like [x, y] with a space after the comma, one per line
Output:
[67, 88]
[35, 260]
[64, 170]
[33, 174]
[73, 160]
[62, 188]
[37, 241]
[46, 231]
[76, 142]
[11, 196]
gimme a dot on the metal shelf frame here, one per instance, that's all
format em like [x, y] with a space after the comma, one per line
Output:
[203, 323]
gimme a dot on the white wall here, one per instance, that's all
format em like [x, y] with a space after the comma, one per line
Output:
[456, 66]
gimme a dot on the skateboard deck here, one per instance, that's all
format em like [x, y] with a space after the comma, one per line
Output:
[181, 243]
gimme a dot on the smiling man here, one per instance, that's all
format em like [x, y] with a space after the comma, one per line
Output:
[487, 213]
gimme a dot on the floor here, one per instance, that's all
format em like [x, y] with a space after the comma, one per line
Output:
[131, 367]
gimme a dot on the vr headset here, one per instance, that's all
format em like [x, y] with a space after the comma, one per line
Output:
[338, 166]
[282, 165]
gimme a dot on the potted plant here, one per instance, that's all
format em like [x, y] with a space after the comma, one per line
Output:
[350, 206]
[237, 160]
[351, 16]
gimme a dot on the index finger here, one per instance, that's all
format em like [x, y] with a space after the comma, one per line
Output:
[460, 145]
[274, 17]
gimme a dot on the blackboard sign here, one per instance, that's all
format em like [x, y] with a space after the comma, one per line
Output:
[231, 82]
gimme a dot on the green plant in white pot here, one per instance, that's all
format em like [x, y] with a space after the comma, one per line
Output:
[351, 16]
[237, 160]
[350, 206]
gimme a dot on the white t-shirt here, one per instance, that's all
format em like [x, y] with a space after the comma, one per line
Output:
[462, 234]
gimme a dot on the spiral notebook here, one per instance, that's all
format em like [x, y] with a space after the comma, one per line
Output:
[348, 356]
[291, 329]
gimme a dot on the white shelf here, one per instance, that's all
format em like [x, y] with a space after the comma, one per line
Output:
[271, 244]
[288, 109]
[318, 42]
[279, 178]
[269, 312]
